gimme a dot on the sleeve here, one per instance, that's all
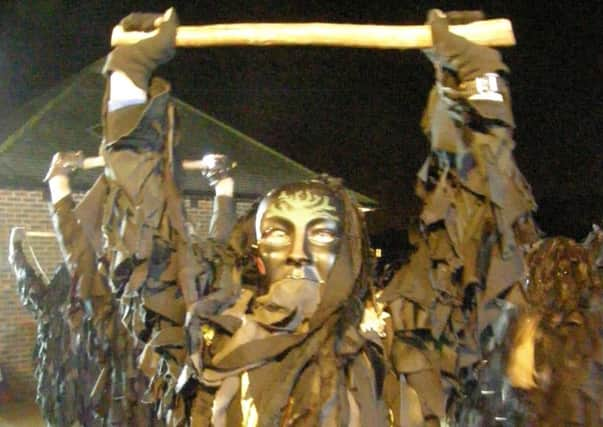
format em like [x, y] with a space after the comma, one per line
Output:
[30, 285]
[468, 260]
[469, 122]
[223, 218]
[80, 258]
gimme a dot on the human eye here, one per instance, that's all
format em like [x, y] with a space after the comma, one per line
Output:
[276, 236]
[323, 236]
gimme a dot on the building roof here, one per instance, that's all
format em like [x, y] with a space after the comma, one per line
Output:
[67, 118]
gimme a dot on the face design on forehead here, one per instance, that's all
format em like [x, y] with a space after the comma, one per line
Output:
[299, 231]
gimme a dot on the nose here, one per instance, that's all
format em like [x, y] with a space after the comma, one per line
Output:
[298, 255]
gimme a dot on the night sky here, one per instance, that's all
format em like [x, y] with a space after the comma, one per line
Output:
[350, 112]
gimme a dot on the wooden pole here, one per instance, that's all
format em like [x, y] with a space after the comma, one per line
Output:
[40, 234]
[189, 165]
[93, 162]
[492, 32]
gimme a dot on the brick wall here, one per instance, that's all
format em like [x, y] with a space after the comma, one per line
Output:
[17, 325]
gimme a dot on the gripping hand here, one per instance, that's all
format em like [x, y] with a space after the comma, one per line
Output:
[64, 164]
[17, 235]
[138, 61]
[216, 167]
[457, 54]
[468, 76]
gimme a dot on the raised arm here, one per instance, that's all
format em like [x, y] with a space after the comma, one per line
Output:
[447, 301]
[153, 266]
[216, 169]
[135, 115]
[30, 285]
[470, 124]
[90, 287]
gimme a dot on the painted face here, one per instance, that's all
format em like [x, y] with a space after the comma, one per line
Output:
[299, 232]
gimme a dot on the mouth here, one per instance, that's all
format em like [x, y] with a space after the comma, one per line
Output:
[297, 274]
[301, 274]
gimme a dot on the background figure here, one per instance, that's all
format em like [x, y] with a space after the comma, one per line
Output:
[446, 303]
[65, 372]
[122, 387]
[118, 389]
[555, 348]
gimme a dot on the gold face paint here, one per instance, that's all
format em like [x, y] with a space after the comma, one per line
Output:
[299, 231]
[297, 201]
[299, 235]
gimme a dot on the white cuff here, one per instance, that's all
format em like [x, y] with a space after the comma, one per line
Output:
[225, 187]
[123, 92]
[59, 188]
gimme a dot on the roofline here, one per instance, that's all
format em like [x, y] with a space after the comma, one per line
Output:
[368, 202]
[31, 121]
[63, 87]
[244, 136]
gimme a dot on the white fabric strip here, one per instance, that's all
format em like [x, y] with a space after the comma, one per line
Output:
[123, 92]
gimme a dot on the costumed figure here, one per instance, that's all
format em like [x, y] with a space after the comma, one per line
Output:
[127, 245]
[288, 347]
[555, 354]
[116, 398]
[450, 304]
[65, 374]
[119, 392]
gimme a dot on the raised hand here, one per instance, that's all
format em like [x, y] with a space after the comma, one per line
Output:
[64, 163]
[17, 236]
[216, 167]
[469, 77]
[457, 54]
[138, 61]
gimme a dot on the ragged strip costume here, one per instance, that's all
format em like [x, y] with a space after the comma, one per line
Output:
[117, 393]
[451, 302]
[65, 373]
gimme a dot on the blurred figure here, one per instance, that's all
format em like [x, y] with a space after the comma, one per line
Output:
[555, 353]
[64, 365]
